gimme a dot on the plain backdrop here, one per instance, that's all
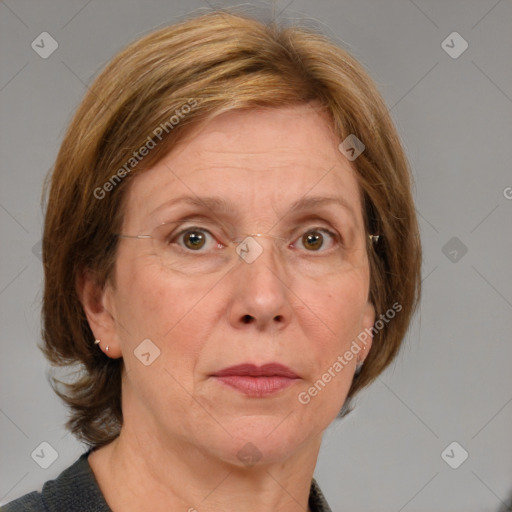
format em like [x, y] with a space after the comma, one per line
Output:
[452, 105]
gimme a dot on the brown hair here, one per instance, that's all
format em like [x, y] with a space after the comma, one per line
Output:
[213, 63]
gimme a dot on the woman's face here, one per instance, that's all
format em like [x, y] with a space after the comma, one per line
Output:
[298, 302]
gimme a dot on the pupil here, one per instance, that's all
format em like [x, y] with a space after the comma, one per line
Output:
[194, 240]
[314, 241]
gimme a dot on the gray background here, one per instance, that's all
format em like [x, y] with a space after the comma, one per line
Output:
[453, 379]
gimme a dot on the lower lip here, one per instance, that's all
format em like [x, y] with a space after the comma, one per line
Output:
[257, 386]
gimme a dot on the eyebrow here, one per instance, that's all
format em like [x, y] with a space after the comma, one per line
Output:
[221, 206]
[312, 202]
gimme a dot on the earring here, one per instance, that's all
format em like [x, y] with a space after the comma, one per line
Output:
[97, 342]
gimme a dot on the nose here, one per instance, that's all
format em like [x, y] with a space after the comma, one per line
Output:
[261, 288]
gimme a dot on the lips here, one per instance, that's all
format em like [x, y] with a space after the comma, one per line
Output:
[251, 370]
[257, 381]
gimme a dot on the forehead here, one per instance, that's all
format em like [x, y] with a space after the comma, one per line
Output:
[261, 162]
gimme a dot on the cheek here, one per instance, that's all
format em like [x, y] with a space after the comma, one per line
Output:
[172, 313]
[331, 321]
[153, 304]
[336, 308]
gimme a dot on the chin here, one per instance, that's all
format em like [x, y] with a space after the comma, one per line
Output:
[260, 439]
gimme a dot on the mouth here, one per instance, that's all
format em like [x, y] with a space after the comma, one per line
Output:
[257, 381]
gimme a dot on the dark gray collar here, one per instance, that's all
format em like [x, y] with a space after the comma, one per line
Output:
[76, 490]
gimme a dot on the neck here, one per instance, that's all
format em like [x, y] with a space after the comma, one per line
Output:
[138, 473]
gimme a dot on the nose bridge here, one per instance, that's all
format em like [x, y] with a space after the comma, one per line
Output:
[260, 280]
[253, 246]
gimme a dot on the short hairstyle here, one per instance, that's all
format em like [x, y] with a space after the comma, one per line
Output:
[146, 99]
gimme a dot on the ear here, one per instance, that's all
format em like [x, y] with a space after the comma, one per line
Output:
[368, 321]
[98, 304]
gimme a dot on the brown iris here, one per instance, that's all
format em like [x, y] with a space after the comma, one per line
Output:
[313, 240]
[194, 239]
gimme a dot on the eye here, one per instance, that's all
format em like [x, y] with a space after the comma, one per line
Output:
[194, 239]
[317, 238]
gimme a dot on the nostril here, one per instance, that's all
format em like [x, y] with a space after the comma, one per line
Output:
[278, 318]
[247, 319]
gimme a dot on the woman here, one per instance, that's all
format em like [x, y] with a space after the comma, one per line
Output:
[231, 253]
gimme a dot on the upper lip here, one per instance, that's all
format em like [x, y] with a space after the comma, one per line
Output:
[266, 370]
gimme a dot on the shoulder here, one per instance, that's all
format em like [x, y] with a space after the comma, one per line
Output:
[74, 490]
[31, 502]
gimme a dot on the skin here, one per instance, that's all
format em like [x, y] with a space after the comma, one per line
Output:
[183, 428]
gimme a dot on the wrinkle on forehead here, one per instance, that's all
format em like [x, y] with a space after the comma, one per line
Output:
[262, 160]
